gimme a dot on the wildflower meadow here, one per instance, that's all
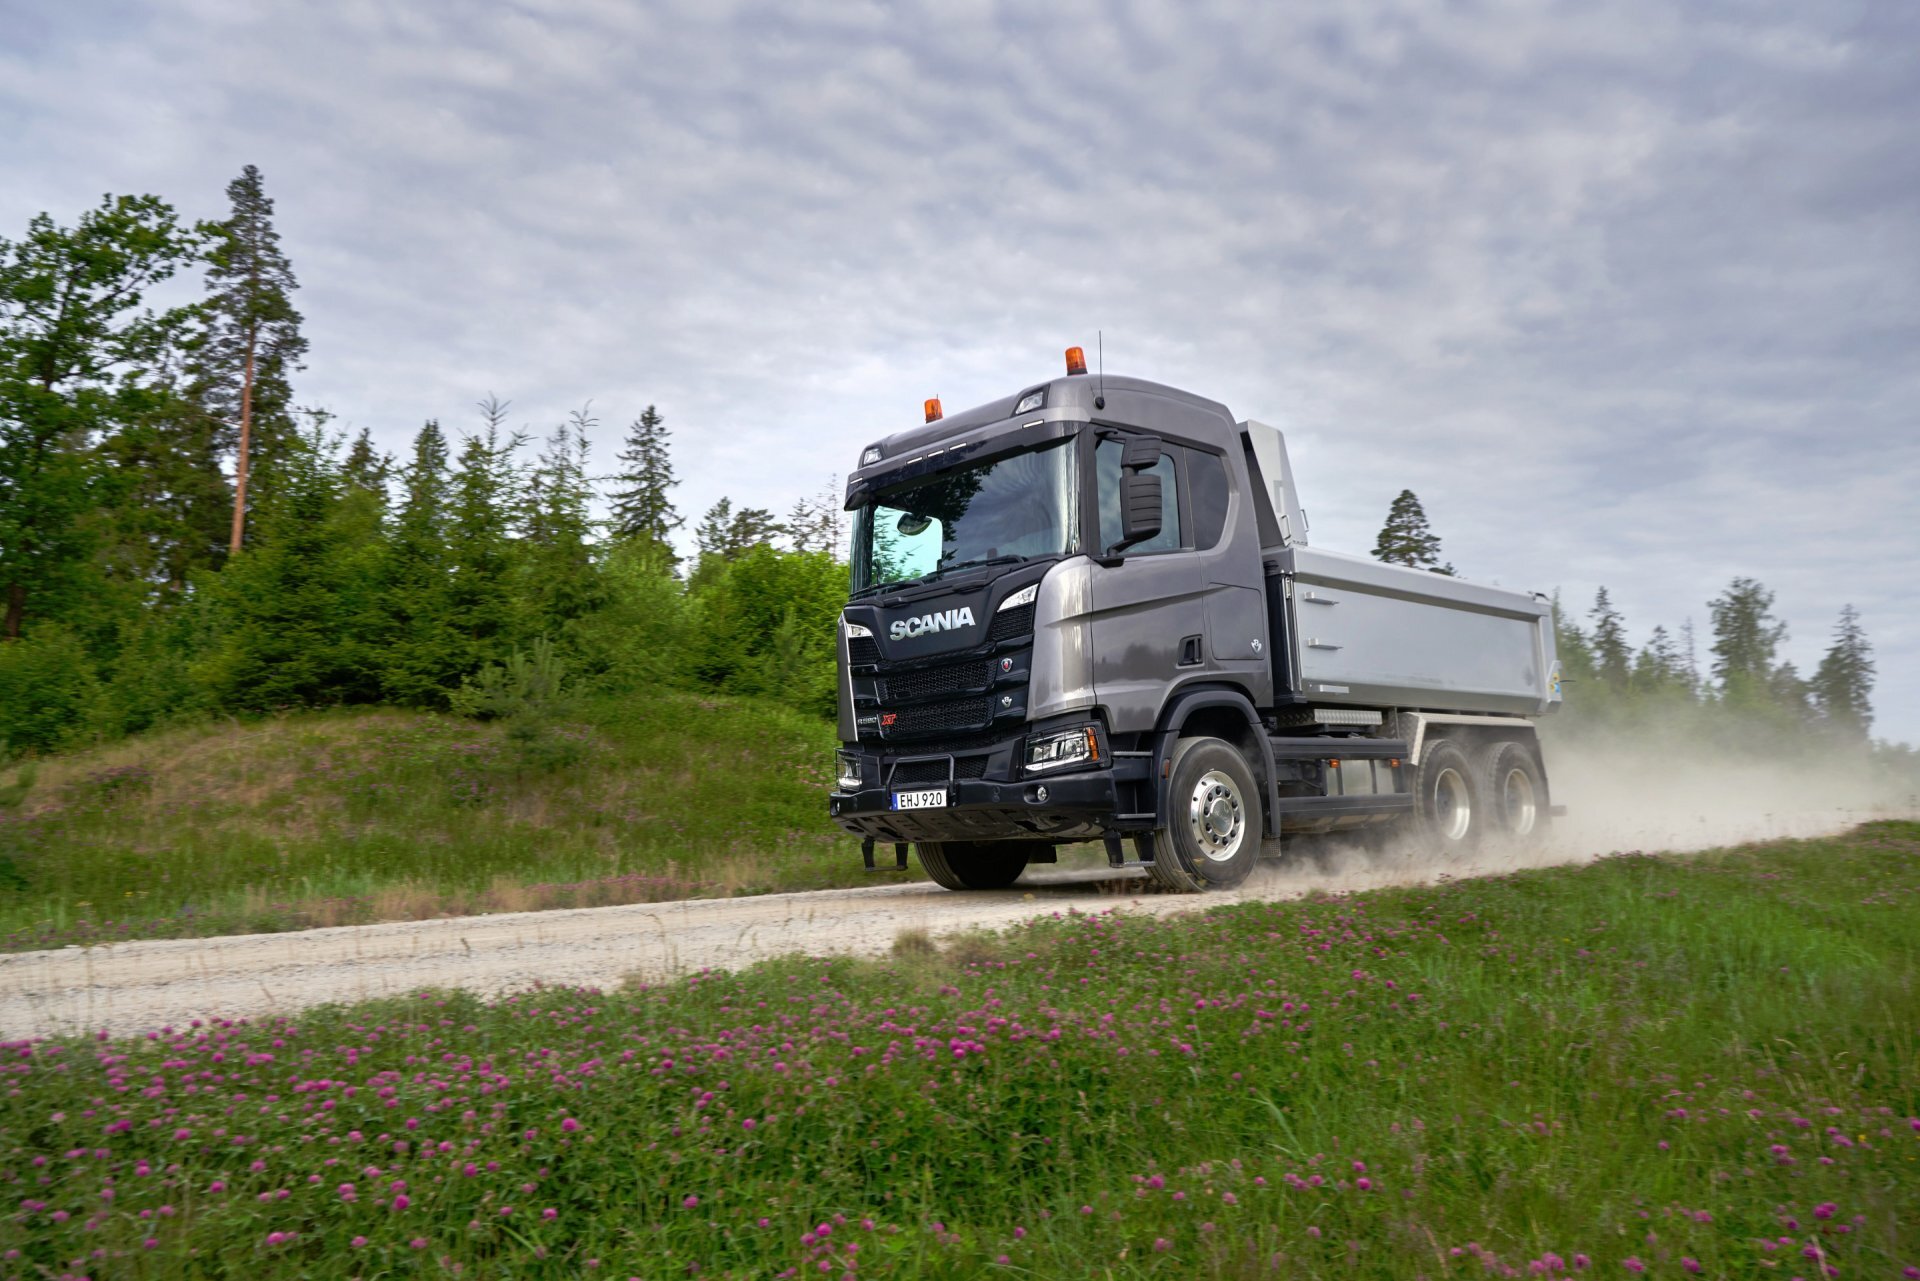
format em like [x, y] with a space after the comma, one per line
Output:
[1672, 1066]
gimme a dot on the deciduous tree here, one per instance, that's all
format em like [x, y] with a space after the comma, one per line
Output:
[78, 352]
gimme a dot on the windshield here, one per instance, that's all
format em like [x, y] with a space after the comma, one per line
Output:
[1013, 508]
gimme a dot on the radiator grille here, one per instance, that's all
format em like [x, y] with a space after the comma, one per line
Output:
[1011, 623]
[932, 682]
[970, 767]
[863, 649]
[939, 718]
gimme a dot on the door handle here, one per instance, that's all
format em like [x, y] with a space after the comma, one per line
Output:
[1320, 644]
[1311, 599]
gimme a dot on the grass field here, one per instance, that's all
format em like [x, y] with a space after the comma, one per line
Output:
[1704, 1065]
[330, 819]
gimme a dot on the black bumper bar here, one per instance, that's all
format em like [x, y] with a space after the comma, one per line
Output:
[1077, 804]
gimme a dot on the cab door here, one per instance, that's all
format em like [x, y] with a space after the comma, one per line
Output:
[1174, 609]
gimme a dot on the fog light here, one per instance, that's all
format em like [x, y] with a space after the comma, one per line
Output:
[1055, 751]
[848, 767]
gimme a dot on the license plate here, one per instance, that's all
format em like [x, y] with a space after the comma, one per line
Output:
[932, 799]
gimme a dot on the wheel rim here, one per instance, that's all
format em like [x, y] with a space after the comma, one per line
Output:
[1516, 797]
[1452, 804]
[1217, 815]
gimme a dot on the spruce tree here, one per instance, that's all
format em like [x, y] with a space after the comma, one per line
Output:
[422, 655]
[1612, 658]
[1406, 539]
[481, 605]
[1843, 683]
[640, 507]
[561, 584]
[1745, 638]
[1659, 667]
[252, 340]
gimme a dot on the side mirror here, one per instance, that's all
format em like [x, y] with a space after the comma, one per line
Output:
[1139, 493]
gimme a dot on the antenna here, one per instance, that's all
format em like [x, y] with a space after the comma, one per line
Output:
[1100, 349]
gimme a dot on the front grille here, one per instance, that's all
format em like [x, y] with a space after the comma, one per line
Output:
[913, 773]
[863, 649]
[1009, 624]
[939, 718]
[970, 767]
[932, 682]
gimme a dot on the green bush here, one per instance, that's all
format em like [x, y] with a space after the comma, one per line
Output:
[49, 691]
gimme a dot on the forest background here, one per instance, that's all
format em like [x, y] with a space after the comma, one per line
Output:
[181, 540]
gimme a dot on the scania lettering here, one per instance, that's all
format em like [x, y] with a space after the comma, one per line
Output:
[1088, 611]
[946, 620]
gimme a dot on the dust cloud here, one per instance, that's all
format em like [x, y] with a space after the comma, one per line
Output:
[1656, 793]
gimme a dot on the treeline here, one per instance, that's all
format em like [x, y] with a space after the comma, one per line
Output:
[1741, 696]
[179, 539]
[469, 575]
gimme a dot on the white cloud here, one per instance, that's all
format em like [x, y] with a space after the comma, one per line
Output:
[1626, 293]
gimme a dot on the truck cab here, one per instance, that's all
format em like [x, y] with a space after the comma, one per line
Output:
[1073, 617]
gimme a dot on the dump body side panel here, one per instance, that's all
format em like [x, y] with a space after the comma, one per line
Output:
[1373, 635]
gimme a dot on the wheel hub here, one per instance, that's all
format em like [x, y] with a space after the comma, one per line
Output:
[1217, 816]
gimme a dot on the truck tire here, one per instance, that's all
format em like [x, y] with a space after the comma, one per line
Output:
[1515, 792]
[973, 865]
[1447, 803]
[1214, 819]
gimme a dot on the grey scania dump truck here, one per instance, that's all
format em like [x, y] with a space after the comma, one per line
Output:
[1089, 612]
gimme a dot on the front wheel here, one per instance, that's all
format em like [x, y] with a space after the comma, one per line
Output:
[973, 865]
[1214, 819]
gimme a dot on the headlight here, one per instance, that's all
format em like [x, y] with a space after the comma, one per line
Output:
[857, 629]
[1054, 751]
[1031, 401]
[871, 456]
[847, 766]
[1025, 596]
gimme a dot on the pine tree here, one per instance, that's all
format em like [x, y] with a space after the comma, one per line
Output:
[641, 508]
[252, 340]
[1745, 638]
[1612, 658]
[1843, 683]
[77, 355]
[1406, 539]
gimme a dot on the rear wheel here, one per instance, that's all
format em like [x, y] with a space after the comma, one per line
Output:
[1448, 808]
[973, 865]
[1214, 819]
[1516, 792]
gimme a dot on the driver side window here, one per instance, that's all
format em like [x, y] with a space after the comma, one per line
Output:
[1106, 458]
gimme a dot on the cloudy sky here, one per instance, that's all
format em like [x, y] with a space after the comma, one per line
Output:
[1628, 293]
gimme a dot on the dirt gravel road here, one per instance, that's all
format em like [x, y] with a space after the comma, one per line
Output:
[126, 988]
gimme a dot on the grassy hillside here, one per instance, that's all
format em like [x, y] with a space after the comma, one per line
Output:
[1676, 1066]
[333, 818]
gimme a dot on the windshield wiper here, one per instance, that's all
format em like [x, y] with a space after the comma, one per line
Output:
[941, 572]
[1006, 558]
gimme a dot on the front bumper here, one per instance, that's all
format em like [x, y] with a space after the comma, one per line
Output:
[1079, 805]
